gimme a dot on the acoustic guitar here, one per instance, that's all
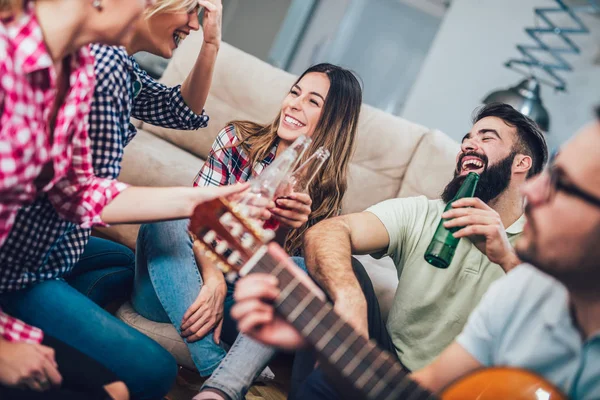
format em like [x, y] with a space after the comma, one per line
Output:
[237, 246]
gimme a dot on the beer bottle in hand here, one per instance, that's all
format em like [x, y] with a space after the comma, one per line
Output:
[443, 245]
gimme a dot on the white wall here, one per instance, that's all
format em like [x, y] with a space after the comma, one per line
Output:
[466, 62]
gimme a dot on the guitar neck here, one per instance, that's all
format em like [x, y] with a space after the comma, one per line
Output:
[371, 370]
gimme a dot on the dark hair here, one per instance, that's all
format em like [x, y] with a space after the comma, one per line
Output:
[336, 131]
[530, 138]
[598, 112]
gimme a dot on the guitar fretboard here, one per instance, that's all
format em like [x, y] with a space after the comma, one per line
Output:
[371, 370]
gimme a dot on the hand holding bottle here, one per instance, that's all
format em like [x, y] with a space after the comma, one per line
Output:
[293, 204]
[483, 226]
[292, 210]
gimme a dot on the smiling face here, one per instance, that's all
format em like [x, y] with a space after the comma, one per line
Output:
[563, 227]
[490, 141]
[162, 32]
[488, 150]
[302, 107]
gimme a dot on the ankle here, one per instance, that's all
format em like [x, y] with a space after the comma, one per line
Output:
[211, 394]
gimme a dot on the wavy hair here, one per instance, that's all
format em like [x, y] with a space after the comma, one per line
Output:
[336, 131]
[170, 6]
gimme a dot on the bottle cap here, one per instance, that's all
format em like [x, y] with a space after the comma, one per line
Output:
[439, 254]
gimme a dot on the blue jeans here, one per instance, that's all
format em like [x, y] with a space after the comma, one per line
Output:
[104, 272]
[167, 281]
[61, 311]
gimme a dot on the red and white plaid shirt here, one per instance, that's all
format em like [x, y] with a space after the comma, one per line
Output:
[227, 163]
[15, 330]
[27, 90]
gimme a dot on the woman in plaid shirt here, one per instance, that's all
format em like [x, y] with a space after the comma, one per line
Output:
[324, 103]
[78, 188]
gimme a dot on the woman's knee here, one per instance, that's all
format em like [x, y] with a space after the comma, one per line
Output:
[164, 234]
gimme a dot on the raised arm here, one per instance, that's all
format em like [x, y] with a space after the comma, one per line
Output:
[197, 84]
[182, 106]
[329, 246]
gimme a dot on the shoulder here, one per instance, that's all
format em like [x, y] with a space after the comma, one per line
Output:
[526, 279]
[530, 291]
[226, 137]
[416, 204]
[111, 66]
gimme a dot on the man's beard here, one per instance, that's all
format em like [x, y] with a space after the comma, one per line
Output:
[492, 181]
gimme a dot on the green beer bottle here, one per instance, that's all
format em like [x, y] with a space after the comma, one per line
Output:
[442, 246]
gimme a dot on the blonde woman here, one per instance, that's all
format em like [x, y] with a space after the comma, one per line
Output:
[324, 104]
[43, 249]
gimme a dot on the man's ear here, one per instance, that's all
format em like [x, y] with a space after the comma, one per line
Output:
[522, 163]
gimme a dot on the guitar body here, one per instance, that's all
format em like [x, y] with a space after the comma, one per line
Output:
[502, 383]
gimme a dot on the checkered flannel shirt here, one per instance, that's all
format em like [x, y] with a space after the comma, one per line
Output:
[15, 330]
[32, 161]
[42, 245]
[227, 163]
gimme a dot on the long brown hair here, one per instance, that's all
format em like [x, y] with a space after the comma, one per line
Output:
[336, 131]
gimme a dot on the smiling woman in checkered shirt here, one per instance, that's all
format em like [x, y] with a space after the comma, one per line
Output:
[79, 179]
[324, 104]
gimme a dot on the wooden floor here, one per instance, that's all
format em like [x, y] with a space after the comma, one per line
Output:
[188, 383]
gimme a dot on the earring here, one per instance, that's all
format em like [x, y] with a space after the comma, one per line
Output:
[97, 4]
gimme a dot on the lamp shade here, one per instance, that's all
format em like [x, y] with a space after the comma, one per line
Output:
[525, 98]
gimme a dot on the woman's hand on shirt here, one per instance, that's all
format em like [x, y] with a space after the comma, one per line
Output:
[293, 210]
[212, 21]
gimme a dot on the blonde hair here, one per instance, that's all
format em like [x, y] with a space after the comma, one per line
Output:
[169, 6]
[336, 131]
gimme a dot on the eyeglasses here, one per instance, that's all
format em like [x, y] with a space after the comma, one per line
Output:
[557, 181]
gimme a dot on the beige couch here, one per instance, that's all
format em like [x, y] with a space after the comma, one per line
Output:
[393, 158]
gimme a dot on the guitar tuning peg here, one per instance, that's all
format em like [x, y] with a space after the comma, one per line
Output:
[210, 236]
[221, 247]
[231, 277]
[236, 229]
[226, 218]
[234, 258]
[247, 241]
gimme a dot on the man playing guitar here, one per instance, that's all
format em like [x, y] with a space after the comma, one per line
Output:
[544, 317]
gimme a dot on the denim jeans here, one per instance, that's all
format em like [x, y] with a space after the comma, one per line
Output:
[61, 311]
[104, 272]
[167, 281]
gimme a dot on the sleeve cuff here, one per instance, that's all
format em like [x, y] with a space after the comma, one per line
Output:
[106, 191]
[190, 119]
[477, 350]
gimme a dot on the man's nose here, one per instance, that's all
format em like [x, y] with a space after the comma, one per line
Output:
[469, 145]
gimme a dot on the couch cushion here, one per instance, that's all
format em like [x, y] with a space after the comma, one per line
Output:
[431, 167]
[384, 147]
